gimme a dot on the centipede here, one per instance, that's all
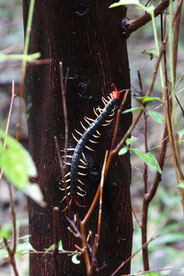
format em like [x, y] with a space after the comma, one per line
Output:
[74, 185]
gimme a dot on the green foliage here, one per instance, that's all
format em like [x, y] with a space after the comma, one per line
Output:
[159, 118]
[135, 108]
[147, 99]
[150, 53]
[16, 162]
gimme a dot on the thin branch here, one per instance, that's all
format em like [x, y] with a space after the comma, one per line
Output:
[11, 257]
[135, 24]
[9, 117]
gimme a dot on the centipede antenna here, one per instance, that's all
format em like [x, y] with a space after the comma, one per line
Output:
[89, 148]
[78, 132]
[83, 126]
[94, 142]
[82, 183]
[75, 138]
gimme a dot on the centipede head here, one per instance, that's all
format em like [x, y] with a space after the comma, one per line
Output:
[116, 93]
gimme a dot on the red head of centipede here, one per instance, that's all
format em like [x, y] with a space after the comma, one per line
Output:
[116, 93]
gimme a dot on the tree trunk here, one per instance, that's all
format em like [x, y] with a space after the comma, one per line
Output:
[86, 37]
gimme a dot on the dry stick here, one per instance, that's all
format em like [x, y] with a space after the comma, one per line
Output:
[118, 119]
[131, 257]
[141, 21]
[9, 117]
[56, 239]
[11, 257]
[86, 218]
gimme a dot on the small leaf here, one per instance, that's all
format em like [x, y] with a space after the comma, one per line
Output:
[75, 260]
[16, 162]
[60, 246]
[129, 141]
[125, 2]
[147, 158]
[151, 53]
[147, 99]
[131, 109]
[181, 185]
[159, 118]
[123, 151]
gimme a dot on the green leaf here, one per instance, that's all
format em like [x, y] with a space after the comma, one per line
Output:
[131, 109]
[123, 151]
[60, 246]
[151, 53]
[181, 185]
[147, 158]
[151, 274]
[16, 162]
[125, 2]
[147, 99]
[75, 260]
[159, 118]
[129, 141]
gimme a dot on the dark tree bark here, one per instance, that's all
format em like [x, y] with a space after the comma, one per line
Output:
[86, 37]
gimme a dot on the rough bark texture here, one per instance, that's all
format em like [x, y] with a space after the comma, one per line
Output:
[86, 36]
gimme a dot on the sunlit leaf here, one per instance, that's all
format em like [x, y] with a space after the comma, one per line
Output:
[159, 118]
[125, 2]
[147, 99]
[151, 53]
[147, 158]
[129, 141]
[131, 109]
[16, 162]
[123, 151]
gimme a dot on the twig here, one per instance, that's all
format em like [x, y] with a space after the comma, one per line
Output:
[9, 117]
[131, 257]
[135, 24]
[56, 239]
[86, 218]
[11, 257]
[118, 119]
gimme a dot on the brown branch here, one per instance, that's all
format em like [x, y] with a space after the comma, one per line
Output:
[9, 117]
[89, 268]
[11, 257]
[135, 24]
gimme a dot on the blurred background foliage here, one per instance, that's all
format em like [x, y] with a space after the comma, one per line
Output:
[165, 214]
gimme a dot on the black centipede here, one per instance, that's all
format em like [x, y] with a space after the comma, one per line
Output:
[78, 159]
